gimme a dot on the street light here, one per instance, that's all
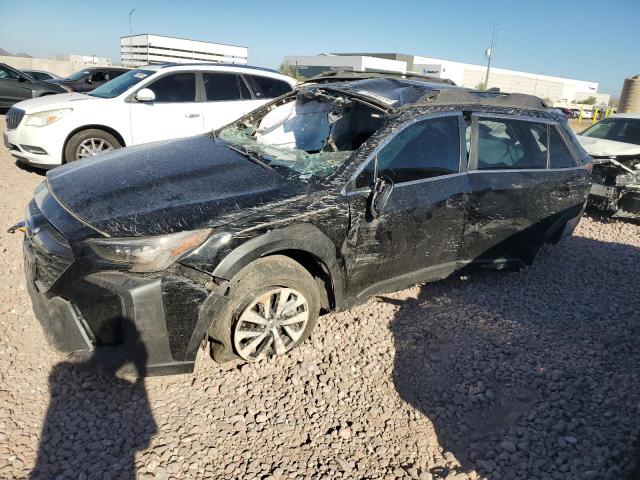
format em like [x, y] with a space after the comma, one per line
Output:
[130, 37]
[489, 54]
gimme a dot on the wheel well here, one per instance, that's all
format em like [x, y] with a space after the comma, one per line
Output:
[97, 127]
[320, 273]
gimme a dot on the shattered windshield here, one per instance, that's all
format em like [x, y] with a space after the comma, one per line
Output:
[308, 135]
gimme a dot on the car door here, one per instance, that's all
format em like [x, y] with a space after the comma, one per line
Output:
[511, 189]
[174, 113]
[571, 179]
[227, 98]
[414, 233]
[13, 86]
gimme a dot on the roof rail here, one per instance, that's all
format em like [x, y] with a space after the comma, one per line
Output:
[213, 64]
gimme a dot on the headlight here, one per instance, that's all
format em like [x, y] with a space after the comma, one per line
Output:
[148, 254]
[45, 118]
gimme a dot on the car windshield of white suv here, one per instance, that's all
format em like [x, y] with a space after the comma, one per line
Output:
[305, 136]
[625, 130]
[120, 84]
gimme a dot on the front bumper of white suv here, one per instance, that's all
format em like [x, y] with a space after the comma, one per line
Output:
[38, 146]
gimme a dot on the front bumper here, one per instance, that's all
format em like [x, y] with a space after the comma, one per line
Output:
[48, 138]
[119, 320]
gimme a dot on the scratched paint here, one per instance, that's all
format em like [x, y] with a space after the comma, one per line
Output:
[274, 196]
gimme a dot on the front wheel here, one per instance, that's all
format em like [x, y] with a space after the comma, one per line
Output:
[273, 307]
[89, 143]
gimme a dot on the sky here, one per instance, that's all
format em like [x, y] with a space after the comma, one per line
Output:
[586, 40]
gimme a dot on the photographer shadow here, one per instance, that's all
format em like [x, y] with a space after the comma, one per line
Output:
[97, 420]
[506, 364]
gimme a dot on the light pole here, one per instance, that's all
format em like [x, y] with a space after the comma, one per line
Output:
[130, 37]
[489, 54]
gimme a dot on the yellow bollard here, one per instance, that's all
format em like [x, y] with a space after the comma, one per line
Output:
[595, 117]
[580, 115]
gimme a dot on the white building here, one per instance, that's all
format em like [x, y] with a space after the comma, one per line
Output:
[99, 61]
[145, 49]
[311, 65]
[557, 89]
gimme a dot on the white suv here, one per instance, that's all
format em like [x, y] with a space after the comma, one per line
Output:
[155, 102]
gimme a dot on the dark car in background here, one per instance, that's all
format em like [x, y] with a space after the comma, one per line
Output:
[89, 78]
[41, 75]
[312, 203]
[16, 86]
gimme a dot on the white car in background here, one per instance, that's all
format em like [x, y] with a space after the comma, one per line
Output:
[151, 103]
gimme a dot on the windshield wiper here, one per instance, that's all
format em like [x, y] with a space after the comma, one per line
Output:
[250, 156]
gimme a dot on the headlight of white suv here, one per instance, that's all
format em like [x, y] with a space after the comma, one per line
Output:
[148, 254]
[42, 119]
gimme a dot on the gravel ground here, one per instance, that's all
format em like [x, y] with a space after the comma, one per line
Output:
[521, 375]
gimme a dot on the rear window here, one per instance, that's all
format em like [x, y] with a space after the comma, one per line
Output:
[560, 155]
[266, 87]
[225, 86]
[511, 144]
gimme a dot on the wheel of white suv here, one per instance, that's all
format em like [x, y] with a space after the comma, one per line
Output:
[272, 308]
[88, 143]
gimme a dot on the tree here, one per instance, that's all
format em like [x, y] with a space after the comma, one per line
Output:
[587, 101]
[481, 87]
[287, 69]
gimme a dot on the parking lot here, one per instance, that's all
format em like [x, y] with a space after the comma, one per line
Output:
[520, 375]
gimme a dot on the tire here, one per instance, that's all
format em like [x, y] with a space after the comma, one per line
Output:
[103, 141]
[281, 283]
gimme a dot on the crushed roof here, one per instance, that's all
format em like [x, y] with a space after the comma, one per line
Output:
[397, 92]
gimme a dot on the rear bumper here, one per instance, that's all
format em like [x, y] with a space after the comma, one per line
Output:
[114, 320]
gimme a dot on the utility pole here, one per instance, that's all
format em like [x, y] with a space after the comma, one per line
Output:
[489, 54]
[130, 39]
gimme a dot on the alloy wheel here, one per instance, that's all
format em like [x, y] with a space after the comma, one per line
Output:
[271, 324]
[92, 146]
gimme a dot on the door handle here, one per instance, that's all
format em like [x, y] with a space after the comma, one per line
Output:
[192, 115]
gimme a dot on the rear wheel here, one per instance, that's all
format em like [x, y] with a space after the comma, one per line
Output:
[273, 307]
[89, 143]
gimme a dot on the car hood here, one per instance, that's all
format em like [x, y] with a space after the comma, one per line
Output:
[599, 147]
[168, 187]
[53, 102]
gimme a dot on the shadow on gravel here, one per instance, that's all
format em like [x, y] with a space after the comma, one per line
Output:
[28, 168]
[532, 374]
[96, 421]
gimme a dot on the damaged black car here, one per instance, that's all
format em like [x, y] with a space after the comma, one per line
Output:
[326, 196]
[614, 144]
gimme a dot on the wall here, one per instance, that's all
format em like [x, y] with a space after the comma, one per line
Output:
[59, 67]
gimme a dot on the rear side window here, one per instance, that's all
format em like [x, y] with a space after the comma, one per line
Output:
[560, 156]
[176, 88]
[426, 149]
[266, 87]
[225, 86]
[511, 144]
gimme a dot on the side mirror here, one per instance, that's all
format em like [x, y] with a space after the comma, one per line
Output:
[380, 195]
[145, 95]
